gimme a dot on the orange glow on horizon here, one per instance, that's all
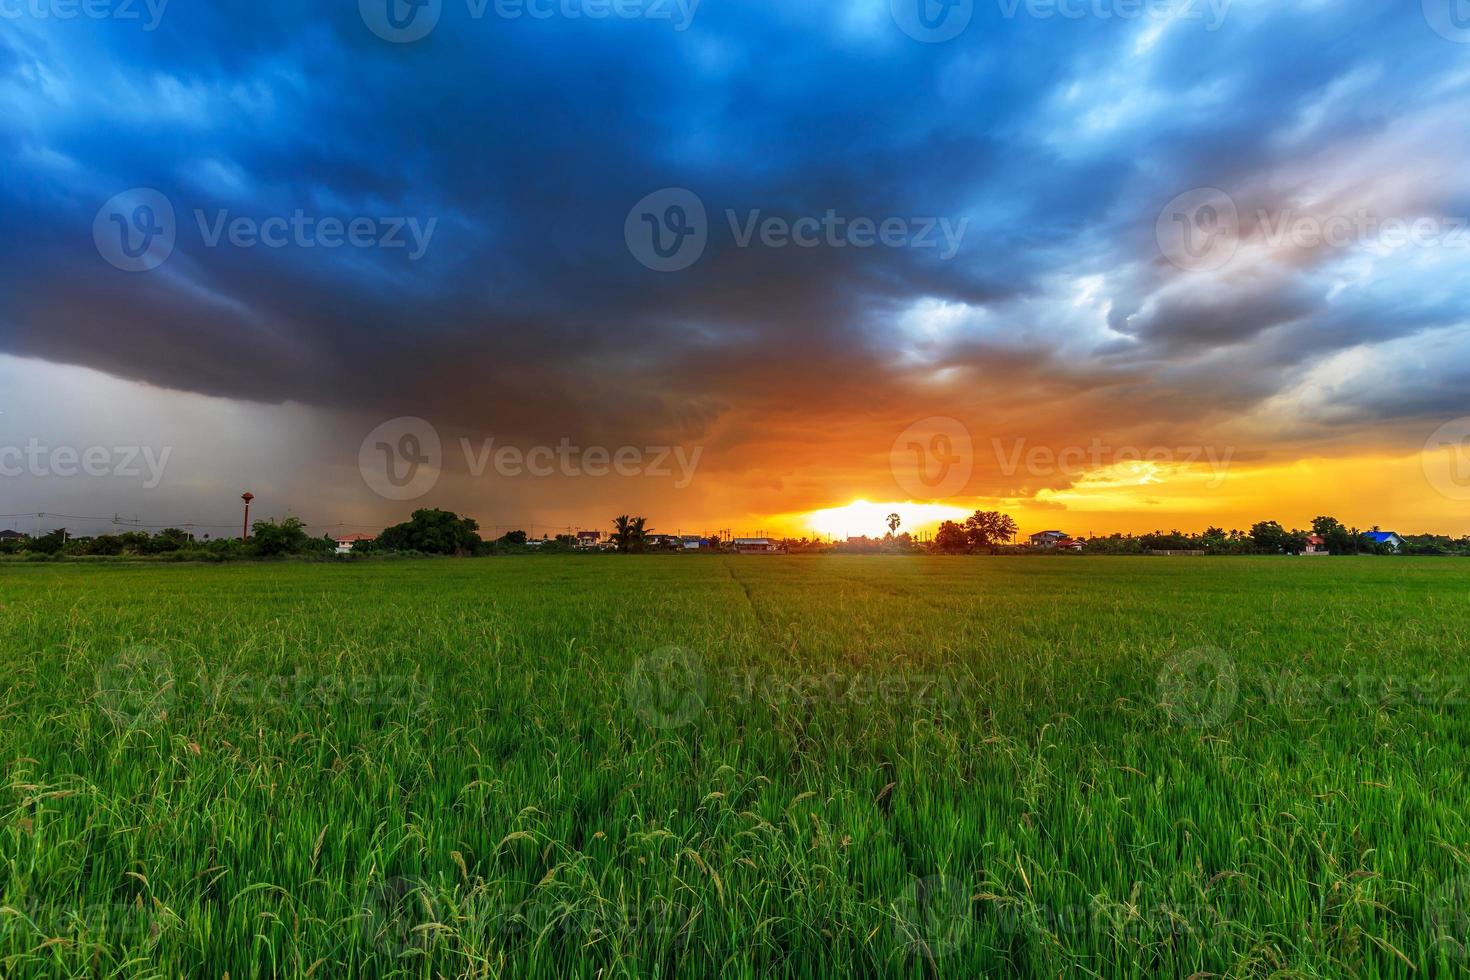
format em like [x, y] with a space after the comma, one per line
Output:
[862, 517]
[1362, 491]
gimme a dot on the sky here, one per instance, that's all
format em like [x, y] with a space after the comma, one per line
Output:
[1107, 265]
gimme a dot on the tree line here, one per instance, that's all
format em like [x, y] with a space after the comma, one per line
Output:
[427, 532]
[442, 532]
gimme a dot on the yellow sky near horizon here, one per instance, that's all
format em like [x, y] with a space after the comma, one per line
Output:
[1409, 494]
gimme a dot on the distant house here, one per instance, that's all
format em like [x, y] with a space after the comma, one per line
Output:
[1316, 545]
[1070, 544]
[589, 539]
[755, 546]
[1048, 539]
[346, 541]
[9, 535]
[691, 542]
[1392, 540]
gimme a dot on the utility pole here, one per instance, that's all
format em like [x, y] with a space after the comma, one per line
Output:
[247, 496]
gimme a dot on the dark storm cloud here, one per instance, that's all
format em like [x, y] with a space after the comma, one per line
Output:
[526, 142]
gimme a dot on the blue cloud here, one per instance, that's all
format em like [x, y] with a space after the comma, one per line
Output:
[1055, 140]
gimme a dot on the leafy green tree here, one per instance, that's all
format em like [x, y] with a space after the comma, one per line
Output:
[48, 544]
[269, 539]
[433, 532]
[988, 528]
[1270, 537]
[105, 544]
[136, 543]
[170, 539]
[951, 538]
[1337, 539]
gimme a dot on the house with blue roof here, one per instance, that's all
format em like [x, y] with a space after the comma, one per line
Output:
[1394, 542]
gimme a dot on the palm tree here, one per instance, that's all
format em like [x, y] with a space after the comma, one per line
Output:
[622, 532]
[639, 533]
[893, 522]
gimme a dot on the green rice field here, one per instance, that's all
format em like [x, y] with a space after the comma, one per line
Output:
[736, 767]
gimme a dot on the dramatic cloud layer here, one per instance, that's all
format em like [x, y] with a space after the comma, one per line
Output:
[1022, 270]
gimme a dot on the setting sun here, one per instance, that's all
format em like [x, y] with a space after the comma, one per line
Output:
[863, 518]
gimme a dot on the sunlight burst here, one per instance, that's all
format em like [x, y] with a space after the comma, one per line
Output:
[864, 518]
